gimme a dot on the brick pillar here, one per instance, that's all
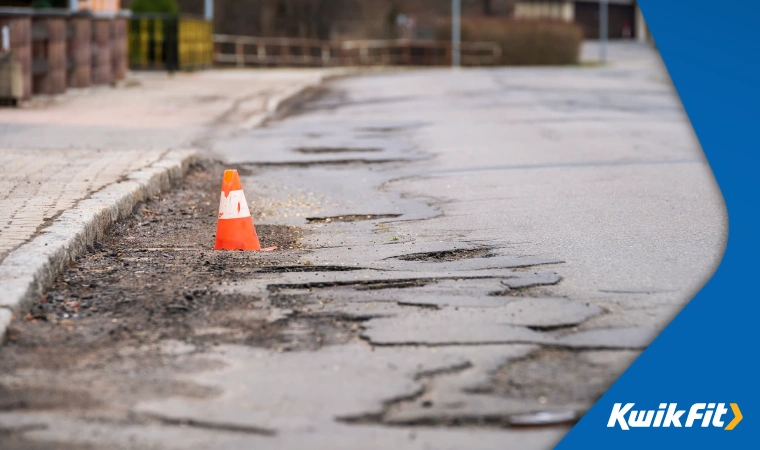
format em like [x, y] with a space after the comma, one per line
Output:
[102, 72]
[119, 47]
[49, 52]
[79, 53]
[19, 25]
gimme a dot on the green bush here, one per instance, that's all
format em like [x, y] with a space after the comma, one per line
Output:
[523, 42]
[155, 6]
[42, 4]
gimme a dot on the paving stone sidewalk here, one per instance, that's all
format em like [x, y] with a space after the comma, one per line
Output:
[57, 152]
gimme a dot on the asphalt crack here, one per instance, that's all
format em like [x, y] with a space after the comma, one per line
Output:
[219, 426]
[375, 284]
[351, 218]
[322, 150]
[304, 269]
[558, 375]
[378, 417]
[326, 162]
[447, 255]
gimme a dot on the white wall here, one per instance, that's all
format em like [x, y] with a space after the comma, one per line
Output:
[642, 30]
[564, 10]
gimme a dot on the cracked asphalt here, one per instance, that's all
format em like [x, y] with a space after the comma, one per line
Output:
[467, 260]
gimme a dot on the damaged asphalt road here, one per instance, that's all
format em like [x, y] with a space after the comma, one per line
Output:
[150, 305]
[416, 300]
[295, 344]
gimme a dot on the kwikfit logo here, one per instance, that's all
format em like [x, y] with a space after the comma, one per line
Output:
[668, 415]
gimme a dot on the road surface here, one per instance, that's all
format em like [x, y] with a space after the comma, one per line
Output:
[470, 252]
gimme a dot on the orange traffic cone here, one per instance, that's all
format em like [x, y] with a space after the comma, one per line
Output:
[234, 229]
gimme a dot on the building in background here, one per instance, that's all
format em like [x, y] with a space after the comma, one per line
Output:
[107, 6]
[98, 5]
[388, 19]
[335, 19]
[625, 18]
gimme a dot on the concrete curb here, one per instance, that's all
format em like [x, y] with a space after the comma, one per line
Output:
[277, 103]
[30, 269]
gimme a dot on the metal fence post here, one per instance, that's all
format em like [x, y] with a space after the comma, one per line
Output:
[603, 18]
[239, 54]
[208, 9]
[456, 29]
[325, 55]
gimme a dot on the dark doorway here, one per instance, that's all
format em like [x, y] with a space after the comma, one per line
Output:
[621, 20]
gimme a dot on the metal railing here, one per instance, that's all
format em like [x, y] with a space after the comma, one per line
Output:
[256, 51]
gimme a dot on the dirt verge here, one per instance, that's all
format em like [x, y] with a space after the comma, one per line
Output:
[150, 278]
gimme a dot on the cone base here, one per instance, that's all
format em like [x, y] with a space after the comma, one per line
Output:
[236, 234]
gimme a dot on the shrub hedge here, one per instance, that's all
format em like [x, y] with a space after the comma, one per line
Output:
[523, 42]
[155, 6]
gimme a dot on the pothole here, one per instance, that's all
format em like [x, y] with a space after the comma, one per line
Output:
[558, 376]
[551, 328]
[309, 332]
[528, 286]
[326, 162]
[323, 150]
[392, 284]
[358, 285]
[389, 129]
[397, 402]
[208, 425]
[533, 291]
[289, 269]
[447, 255]
[351, 218]
[43, 397]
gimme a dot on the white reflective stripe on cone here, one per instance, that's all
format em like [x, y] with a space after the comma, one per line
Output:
[233, 206]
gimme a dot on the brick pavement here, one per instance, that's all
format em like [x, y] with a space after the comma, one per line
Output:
[57, 152]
